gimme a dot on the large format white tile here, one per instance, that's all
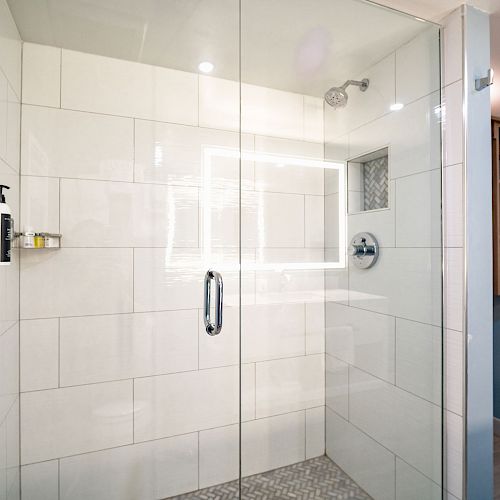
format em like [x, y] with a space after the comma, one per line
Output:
[452, 110]
[284, 166]
[314, 119]
[117, 87]
[418, 359]
[62, 143]
[315, 327]
[12, 452]
[287, 385]
[149, 471]
[4, 85]
[416, 271]
[366, 461]
[418, 210]
[405, 424]
[315, 432]
[270, 443]
[272, 331]
[39, 345]
[41, 75]
[183, 155]
[219, 455]
[113, 347]
[9, 370]
[175, 404]
[13, 129]
[315, 221]
[39, 204]
[453, 207]
[452, 47]
[454, 368]
[10, 48]
[337, 385]
[454, 453]
[361, 338]
[72, 420]
[122, 214]
[453, 288]
[266, 111]
[417, 66]
[40, 481]
[219, 103]
[76, 282]
[411, 485]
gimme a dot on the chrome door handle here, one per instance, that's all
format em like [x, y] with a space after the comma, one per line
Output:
[213, 328]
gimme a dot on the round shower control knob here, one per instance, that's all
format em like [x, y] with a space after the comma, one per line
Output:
[363, 250]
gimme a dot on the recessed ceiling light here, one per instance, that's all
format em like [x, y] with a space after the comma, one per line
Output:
[206, 67]
[397, 106]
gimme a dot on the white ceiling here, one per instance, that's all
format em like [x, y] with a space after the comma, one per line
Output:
[295, 45]
[298, 45]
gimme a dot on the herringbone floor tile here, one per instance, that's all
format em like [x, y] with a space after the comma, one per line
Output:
[315, 479]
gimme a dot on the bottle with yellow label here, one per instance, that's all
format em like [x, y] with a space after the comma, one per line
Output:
[39, 241]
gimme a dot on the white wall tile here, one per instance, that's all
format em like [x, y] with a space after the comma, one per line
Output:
[61, 422]
[280, 173]
[332, 222]
[418, 359]
[117, 87]
[452, 110]
[157, 469]
[411, 485]
[366, 461]
[219, 455]
[453, 375]
[270, 443]
[452, 47]
[222, 349]
[313, 119]
[182, 155]
[418, 206]
[361, 338]
[202, 399]
[76, 282]
[12, 458]
[272, 331]
[283, 220]
[9, 371]
[403, 423]
[39, 345]
[113, 347]
[40, 204]
[315, 221]
[453, 209]
[10, 49]
[417, 66]
[64, 143]
[271, 112]
[219, 103]
[337, 385]
[315, 327]
[315, 432]
[3, 116]
[454, 453]
[287, 385]
[41, 75]
[121, 214]
[13, 129]
[453, 288]
[40, 481]
[379, 289]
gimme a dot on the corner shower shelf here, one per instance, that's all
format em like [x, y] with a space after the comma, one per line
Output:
[54, 236]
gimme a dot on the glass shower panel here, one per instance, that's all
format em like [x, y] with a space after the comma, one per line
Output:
[343, 336]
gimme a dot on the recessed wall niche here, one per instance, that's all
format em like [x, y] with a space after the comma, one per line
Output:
[368, 182]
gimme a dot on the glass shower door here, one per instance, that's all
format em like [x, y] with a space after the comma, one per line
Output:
[341, 342]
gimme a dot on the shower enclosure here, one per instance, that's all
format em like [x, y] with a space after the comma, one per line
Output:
[247, 300]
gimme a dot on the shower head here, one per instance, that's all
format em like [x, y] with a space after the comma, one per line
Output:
[337, 96]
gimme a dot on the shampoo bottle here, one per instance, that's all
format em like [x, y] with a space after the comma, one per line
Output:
[6, 229]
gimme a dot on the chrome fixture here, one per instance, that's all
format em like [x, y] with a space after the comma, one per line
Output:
[337, 96]
[213, 328]
[486, 81]
[363, 250]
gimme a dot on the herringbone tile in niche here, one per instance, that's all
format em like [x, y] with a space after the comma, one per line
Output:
[315, 479]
